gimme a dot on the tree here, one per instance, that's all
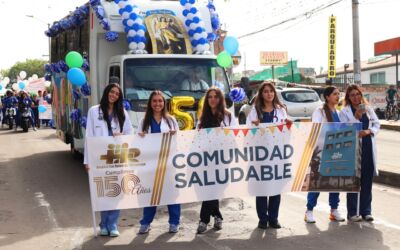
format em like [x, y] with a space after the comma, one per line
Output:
[30, 66]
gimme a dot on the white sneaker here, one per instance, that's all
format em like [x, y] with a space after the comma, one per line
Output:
[335, 215]
[309, 217]
[354, 218]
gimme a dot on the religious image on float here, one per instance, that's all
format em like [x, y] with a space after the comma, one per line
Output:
[334, 162]
[168, 36]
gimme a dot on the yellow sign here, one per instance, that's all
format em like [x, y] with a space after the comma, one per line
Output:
[273, 57]
[332, 47]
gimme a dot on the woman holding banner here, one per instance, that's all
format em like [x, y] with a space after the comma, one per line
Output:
[213, 115]
[108, 119]
[157, 120]
[326, 113]
[357, 110]
[267, 109]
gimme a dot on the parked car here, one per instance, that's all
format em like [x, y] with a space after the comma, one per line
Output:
[300, 104]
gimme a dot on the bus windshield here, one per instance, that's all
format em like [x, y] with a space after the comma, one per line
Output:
[173, 76]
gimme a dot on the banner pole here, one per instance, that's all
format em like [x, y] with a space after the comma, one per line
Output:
[91, 203]
[94, 223]
[358, 204]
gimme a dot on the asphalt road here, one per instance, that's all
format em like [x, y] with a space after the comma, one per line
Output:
[44, 204]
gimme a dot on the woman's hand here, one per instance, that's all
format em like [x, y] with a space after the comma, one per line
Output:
[364, 133]
[172, 132]
[87, 168]
[141, 134]
[359, 112]
[257, 122]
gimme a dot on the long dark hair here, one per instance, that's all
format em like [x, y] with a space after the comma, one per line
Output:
[208, 119]
[149, 111]
[347, 97]
[118, 108]
[259, 101]
[327, 92]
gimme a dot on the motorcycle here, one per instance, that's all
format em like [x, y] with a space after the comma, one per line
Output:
[25, 117]
[10, 117]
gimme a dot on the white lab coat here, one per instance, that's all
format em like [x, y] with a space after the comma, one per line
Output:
[97, 126]
[163, 126]
[227, 122]
[346, 115]
[280, 114]
[320, 116]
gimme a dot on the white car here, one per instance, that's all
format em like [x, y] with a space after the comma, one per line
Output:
[300, 104]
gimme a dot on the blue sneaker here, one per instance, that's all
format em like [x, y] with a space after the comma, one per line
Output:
[103, 232]
[144, 229]
[114, 233]
[173, 228]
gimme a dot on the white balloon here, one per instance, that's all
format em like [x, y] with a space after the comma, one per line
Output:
[196, 36]
[193, 26]
[30, 79]
[140, 32]
[2, 91]
[35, 77]
[188, 6]
[202, 24]
[15, 86]
[130, 22]
[141, 45]
[125, 15]
[131, 33]
[47, 84]
[22, 75]
[138, 21]
[203, 35]
[207, 47]
[199, 48]
[133, 46]
[190, 16]
[6, 80]
[122, 4]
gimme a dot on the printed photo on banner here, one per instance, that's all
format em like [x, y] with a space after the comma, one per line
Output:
[168, 36]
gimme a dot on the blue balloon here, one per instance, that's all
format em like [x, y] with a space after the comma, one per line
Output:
[128, 8]
[191, 32]
[76, 94]
[42, 108]
[1, 87]
[133, 16]
[215, 22]
[202, 41]
[76, 76]
[136, 27]
[196, 19]
[195, 43]
[231, 45]
[193, 10]
[21, 85]
[188, 22]
[127, 105]
[110, 36]
[192, 1]
[183, 2]
[83, 121]
[185, 12]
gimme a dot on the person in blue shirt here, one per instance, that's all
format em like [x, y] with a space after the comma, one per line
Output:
[26, 101]
[326, 113]
[157, 120]
[10, 101]
[267, 109]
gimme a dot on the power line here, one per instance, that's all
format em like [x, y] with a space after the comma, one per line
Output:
[305, 14]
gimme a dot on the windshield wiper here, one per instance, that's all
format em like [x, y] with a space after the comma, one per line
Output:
[152, 89]
[309, 100]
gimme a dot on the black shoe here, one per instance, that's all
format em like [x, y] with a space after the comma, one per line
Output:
[275, 225]
[262, 225]
[368, 218]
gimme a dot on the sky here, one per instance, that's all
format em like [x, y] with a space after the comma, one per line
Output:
[305, 39]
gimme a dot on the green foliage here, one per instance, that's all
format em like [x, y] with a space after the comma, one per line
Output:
[30, 66]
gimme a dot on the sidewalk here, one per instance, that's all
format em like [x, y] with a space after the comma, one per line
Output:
[390, 125]
[390, 174]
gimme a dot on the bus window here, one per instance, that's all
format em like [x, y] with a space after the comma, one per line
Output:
[338, 145]
[348, 133]
[348, 144]
[114, 71]
[330, 137]
[339, 135]
[329, 146]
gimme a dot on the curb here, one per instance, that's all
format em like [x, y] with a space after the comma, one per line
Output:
[390, 127]
[388, 178]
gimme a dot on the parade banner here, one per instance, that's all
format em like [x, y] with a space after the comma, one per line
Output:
[215, 163]
[46, 115]
[273, 58]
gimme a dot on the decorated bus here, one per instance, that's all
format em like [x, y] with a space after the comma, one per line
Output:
[148, 45]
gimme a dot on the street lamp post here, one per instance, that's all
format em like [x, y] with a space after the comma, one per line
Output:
[346, 66]
[48, 27]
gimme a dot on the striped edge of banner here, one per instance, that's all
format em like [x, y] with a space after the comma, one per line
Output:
[305, 159]
[156, 178]
[163, 169]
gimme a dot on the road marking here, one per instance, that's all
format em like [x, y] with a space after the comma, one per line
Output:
[43, 203]
[324, 207]
[76, 240]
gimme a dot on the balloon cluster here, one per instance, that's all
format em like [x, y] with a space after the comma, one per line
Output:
[75, 115]
[83, 121]
[231, 46]
[75, 75]
[237, 94]
[3, 84]
[127, 105]
[215, 22]
[196, 27]
[110, 36]
[76, 94]
[134, 28]
[86, 90]
[63, 66]
[75, 19]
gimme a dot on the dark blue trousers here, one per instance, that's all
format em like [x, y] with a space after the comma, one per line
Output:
[268, 208]
[173, 210]
[312, 198]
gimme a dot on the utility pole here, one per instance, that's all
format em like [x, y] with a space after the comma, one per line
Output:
[356, 44]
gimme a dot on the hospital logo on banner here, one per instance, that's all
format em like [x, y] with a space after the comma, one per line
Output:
[121, 154]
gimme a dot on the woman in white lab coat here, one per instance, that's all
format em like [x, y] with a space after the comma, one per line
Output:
[108, 119]
[267, 109]
[326, 113]
[214, 115]
[157, 120]
[357, 110]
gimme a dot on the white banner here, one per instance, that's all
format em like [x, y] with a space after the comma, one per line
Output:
[130, 171]
[47, 115]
